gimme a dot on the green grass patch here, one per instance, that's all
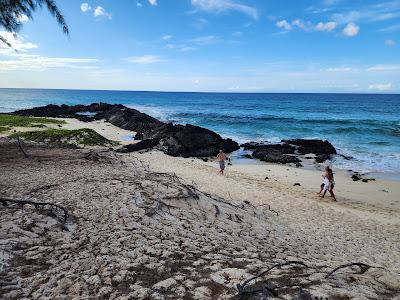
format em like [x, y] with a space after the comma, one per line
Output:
[22, 121]
[4, 129]
[84, 136]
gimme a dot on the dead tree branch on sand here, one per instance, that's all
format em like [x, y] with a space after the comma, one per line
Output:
[266, 289]
[363, 268]
[26, 154]
[56, 209]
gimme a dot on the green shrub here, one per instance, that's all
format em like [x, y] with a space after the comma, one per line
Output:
[22, 121]
[84, 136]
[4, 129]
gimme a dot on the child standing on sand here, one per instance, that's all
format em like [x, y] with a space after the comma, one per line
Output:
[221, 157]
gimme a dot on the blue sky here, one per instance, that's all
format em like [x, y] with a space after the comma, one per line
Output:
[210, 45]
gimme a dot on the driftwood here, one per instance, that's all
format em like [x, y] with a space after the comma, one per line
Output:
[26, 154]
[56, 209]
[363, 268]
[266, 289]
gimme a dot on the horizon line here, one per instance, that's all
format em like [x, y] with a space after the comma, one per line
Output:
[199, 92]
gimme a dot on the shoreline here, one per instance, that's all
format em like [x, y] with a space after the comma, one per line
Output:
[115, 133]
[382, 193]
[381, 197]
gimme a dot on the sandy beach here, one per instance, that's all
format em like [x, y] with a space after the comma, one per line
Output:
[199, 150]
[254, 214]
[381, 196]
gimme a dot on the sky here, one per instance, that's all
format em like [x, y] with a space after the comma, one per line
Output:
[209, 45]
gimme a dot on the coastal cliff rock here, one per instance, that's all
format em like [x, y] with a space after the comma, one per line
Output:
[67, 111]
[195, 141]
[129, 119]
[283, 148]
[277, 153]
[306, 146]
[275, 156]
[176, 140]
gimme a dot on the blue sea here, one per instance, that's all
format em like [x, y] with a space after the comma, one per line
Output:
[364, 126]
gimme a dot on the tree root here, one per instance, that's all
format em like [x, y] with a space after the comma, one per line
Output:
[363, 268]
[154, 210]
[54, 208]
[267, 289]
[26, 154]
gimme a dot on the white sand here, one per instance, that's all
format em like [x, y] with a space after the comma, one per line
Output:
[380, 197]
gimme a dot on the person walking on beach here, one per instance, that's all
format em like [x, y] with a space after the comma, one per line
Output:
[221, 157]
[328, 184]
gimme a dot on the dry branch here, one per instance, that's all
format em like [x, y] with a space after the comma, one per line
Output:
[26, 154]
[363, 268]
[40, 206]
[266, 288]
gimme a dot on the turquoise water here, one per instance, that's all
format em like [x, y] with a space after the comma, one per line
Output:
[364, 126]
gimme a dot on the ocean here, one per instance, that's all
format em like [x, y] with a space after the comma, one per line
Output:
[364, 126]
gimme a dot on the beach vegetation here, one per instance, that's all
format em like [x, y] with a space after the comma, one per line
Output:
[23, 121]
[84, 136]
[4, 129]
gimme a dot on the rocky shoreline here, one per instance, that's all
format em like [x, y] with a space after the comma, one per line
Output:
[184, 140]
[175, 140]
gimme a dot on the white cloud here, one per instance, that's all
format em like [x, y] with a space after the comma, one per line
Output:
[340, 69]
[138, 4]
[85, 7]
[23, 60]
[40, 63]
[283, 24]
[380, 87]
[101, 12]
[383, 68]
[167, 37]
[351, 30]
[204, 40]
[218, 6]
[145, 59]
[187, 49]
[17, 44]
[299, 23]
[328, 26]
[376, 12]
[306, 26]
[153, 2]
[181, 48]
[22, 18]
[390, 43]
